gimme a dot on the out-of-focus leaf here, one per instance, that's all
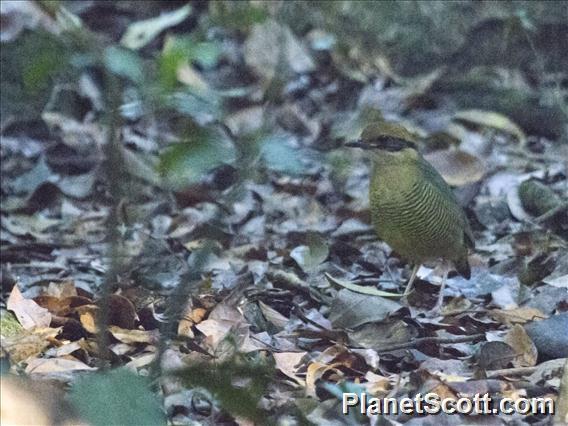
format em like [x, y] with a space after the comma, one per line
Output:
[140, 167]
[279, 156]
[30, 66]
[223, 379]
[185, 163]
[238, 15]
[359, 288]
[79, 186]
[493, 120]
[308, 257]
[9, 324]
[139, 34]
[272, 46]
[537, 198]
[18, 15]
[124, 63]
[204, 108]
[29, 181]
[117, 397]
[351, 127]
[55, 366]
[179, 52]
[457, 167]
[321, 40]
[28, 343]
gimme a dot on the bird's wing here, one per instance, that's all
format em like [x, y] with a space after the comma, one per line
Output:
[434, 178]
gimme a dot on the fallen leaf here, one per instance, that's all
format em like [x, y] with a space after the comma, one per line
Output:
[28, 312]
[457, 167]
[289, 363]
[55, 365]
[493, 120]
[28, 344]
[140, 33]
[371, 291]
[525, 349]
[134, 336]
[517, 315]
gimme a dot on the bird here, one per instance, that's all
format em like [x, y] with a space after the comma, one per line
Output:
[412, 208]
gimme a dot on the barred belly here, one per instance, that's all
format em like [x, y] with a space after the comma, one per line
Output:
[419, 223]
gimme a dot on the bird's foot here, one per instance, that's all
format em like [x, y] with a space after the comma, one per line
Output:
[436, 311]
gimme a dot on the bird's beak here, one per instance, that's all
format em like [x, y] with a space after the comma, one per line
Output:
[356, 144]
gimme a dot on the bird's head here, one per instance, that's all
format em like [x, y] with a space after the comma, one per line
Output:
[387, 141]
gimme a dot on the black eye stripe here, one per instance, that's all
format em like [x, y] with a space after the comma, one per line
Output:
[388, 143]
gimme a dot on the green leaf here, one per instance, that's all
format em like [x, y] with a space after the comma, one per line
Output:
[117, 397]
[31, 65]
[220, 379]
[203, 108]
[179, 50]
[124, 63]
[187, 162]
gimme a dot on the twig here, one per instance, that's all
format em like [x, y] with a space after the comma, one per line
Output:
[517, 371]
[440, 340]
[551, 213]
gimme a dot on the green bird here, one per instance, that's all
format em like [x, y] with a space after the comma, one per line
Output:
[412, 208]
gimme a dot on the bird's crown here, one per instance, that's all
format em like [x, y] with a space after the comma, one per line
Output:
[385, 136]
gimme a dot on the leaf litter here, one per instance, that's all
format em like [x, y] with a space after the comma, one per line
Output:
[294, 273]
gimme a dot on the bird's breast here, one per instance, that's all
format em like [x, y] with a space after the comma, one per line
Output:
[415, 219]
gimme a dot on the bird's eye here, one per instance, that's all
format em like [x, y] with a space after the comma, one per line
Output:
[392, 144]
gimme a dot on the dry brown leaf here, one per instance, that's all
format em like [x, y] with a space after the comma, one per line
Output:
[141, 361]
[61, 306]
[28, 312]
[378, 386]
[273, 316]
[134, 336]
[221, 321]
[525, 349]
[88, 317]
[190, 318]
[122, 312]
[288, 363]
[29, 343]
[517, 315]
[55, 365]
[493, 120]
[61, 289]
[315, 371]
[457, 167]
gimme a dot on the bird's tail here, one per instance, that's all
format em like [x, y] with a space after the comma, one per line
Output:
[462, 266]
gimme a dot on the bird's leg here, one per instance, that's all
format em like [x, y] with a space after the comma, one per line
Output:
[438, 305]
[412, 278]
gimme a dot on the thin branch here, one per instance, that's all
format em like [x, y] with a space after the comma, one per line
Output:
[439, 340]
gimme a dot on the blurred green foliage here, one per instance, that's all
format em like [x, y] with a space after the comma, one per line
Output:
[237, 384]
[236, 15]
[188, 161]
[117, 397]
[180, 50]
[30, 68]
